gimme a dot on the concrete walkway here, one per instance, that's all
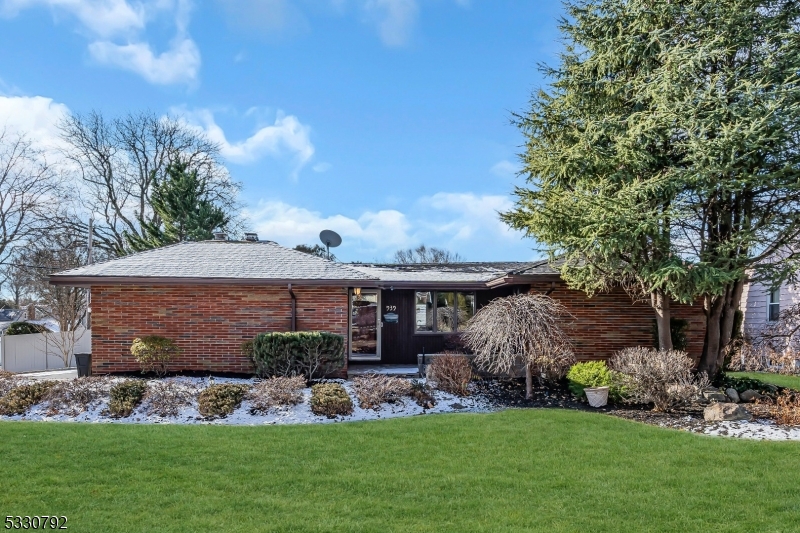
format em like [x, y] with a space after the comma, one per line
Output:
[63, 374]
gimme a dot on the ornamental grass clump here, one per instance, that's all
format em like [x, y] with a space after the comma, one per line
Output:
[154, 353]
[8, 380]
[165, 398]
[450, 373]
[664, 378]
[276, 392]
[19, 399]
[372, 390]
[75, 396]
[126, 396]
[787, 408]
[220, 400]
[521, 330]
[330, 400]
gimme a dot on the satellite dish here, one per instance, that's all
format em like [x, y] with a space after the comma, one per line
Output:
[330, 239]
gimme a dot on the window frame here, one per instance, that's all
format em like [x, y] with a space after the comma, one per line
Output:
[434, 299]
[774, 302]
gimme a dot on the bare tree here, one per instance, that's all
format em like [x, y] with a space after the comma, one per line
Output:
[522, 329]
[46, 255]
[15, 280]
[119, 161]
[423, 254]
[28, 189]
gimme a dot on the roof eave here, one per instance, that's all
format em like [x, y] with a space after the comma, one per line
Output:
[88, 281]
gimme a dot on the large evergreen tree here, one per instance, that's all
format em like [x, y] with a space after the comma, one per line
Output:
[183, 211]
[663, 156]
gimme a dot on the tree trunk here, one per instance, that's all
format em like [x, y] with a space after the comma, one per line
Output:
[528, 381]
[660, 303]
[720, 316]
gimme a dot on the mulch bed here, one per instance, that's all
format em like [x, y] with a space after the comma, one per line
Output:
[510, 393]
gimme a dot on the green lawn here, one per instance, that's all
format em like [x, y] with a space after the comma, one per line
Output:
[792, 382]
[520, 470]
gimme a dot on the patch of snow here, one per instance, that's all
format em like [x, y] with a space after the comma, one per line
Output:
[758, 429]
[298, 414]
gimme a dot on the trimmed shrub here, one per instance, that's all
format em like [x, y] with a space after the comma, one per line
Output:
[422, 394]
[330, 400]
[298, 353]
[593, 374]
[220, 400]
[165, 398]
[75, 396]
[154, 353]
[125, 396]
[25, 328]
[663, 378]
[372, 390]
[20, 398]
[276, 392]
[450, 373]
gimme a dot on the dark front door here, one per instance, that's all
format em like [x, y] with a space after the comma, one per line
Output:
[397, 315]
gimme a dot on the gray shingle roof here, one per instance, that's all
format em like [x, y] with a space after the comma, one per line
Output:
[234, 260]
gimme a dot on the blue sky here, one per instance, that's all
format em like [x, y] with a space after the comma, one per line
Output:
[385, 120]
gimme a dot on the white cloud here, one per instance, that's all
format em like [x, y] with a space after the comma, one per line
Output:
[291, 225]
[467, 223]
[179, 64]
[36, 117]
[116, 29]
[103, 18]
[286, 136]
[505, 169]
[394, 19]
[321, 167]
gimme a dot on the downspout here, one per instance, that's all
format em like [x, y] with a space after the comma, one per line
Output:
[294, 308]
[551, 289]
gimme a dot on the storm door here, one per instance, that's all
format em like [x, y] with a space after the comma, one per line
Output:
[365, 326]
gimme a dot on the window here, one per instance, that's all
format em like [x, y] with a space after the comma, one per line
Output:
[774, 305]
[443, 312]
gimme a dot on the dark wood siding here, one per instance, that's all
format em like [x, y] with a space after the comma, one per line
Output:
[399, 343]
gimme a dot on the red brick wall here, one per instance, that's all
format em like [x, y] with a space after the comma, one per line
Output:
[606, 323]
[208, 322]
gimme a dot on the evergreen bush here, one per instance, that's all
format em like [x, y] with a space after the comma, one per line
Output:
[220, 400]
[154, 353]
[304, 353]
[330, 400]
[125, 396]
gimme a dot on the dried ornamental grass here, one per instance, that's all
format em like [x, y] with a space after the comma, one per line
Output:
[450, 373]
[372, 390]
[220, 400]
[661, 377]
[787, 409]
[166, 398]
[276, 392]
[20, 398]
[75, 396]
[330, 400]
[8, 381]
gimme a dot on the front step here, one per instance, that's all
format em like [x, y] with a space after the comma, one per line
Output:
[401, 371]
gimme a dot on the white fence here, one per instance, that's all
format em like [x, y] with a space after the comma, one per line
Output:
[39, 351]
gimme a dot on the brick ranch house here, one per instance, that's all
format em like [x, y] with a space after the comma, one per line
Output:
[211, 296]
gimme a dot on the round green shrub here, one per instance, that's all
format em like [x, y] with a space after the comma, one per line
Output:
[220, 400]
[592, 374]
[125, 396]
[330, 400]
[154, 353]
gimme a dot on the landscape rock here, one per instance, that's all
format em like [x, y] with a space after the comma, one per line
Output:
[719, 412]
[750, 396]
[732, 394]
[715, 396]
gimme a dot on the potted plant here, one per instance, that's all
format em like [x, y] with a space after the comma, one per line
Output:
[597, 396]
[591, 379]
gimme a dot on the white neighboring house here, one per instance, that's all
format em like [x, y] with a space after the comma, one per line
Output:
[760, 305]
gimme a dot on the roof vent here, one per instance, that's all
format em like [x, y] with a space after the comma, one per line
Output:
[220, 236]
[252, 237]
